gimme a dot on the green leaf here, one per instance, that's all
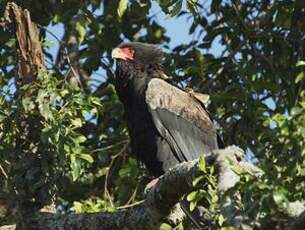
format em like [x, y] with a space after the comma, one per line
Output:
[221, 220]
[124, 172]
[180, 227]
[296, 111]
[77, 122]
[300, 63]
[302, 103]
[300, 77]
[279, 197]
[122, 8]
[64, 92]
[237, 170]
[191, 6]
[165, 226]
[245, 227]
[176, 9]
[197, 180]
[95, 101]
[2, 116]
[282, 18]
[28, 104]
[75, 167]
[81, 139]
[192, 196]
[45, 111]
[193, 205]
[86, 157]
[77, 207]
[81, 30]
[201, 164]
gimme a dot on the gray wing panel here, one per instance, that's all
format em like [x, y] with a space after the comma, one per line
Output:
[186, 139]
[181, 120]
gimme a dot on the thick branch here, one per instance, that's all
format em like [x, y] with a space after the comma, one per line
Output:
[30, 55]
[30, 64]
[159, 202]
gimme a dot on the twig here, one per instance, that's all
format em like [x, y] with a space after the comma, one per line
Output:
[263, 57]
[109, 146]
[66, 55]
[222, 68]
[3, 172]
[130, 205]
[72, 68]
[106, 191]
[133, 195]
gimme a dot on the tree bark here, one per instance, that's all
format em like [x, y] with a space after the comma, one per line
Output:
[29, 51]
[160, 203]
[30, 64]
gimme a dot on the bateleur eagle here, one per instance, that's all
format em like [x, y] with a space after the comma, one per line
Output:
[167, 125]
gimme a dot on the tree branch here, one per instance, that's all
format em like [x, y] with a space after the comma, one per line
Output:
[160, 203]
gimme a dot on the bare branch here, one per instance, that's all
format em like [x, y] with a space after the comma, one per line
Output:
[30, 55]
[161, 201]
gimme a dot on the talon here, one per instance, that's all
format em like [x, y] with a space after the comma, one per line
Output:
[151, 184]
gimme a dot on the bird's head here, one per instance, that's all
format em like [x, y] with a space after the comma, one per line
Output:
[137, 53]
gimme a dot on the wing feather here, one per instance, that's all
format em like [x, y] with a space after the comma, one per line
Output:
[181, 120]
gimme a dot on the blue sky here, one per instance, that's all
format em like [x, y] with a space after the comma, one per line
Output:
[177, 29]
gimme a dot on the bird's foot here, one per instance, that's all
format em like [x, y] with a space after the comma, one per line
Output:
[151, 184]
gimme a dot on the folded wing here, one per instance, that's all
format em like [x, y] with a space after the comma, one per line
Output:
[181, 120]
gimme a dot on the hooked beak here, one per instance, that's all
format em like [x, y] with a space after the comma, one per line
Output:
[116, 53]
[122, 53]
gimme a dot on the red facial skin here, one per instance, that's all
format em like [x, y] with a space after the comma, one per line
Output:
[124, 53]
[128, 52]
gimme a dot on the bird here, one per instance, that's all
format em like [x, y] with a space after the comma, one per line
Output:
[167, 125]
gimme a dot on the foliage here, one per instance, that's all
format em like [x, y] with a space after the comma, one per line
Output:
[91, 205]
[279, 191]
[243, 53]
[207, 193]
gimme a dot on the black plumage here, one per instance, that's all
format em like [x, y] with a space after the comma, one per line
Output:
[166, 124]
